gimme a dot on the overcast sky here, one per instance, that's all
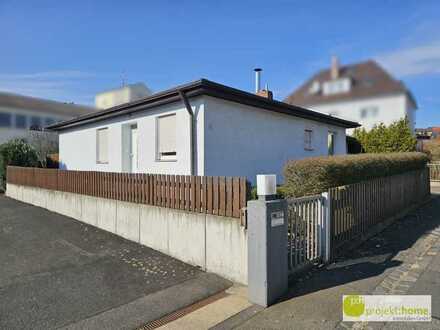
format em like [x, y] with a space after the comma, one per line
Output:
[70, 50]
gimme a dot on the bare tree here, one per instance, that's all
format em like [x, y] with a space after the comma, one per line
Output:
[44, 143]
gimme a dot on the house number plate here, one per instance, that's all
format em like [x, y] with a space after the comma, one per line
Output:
[277, 218]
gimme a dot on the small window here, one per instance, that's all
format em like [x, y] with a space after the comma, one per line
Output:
[20, 121]
[102, 146]
[5, 119]
[166, 137]
[308, 134]
[331, 143]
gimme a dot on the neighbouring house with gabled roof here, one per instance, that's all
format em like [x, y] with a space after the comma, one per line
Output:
[362, 92]
[201, 128]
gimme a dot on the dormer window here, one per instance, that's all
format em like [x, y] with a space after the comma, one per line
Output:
[337, 86]
[315, 88]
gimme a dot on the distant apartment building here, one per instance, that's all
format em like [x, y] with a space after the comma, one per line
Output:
[124, 94]
[428, 133]
[19, 113]
[362, 92]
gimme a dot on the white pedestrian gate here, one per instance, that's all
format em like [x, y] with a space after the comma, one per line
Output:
[307, 231]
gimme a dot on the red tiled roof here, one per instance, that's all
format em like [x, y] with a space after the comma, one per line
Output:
[368, 79]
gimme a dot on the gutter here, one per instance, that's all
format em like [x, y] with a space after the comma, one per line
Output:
[203, 87]
[192, 130]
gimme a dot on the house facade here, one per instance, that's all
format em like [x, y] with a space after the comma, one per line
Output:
[19, 113]
[362, 92]
[202, 128]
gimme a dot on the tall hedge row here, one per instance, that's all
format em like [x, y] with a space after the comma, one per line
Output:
[317, 174]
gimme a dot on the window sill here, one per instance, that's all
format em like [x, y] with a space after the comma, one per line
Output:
[166, 160]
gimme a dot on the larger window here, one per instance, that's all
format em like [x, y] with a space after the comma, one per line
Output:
[5, 119]
[166, 137]
[102, 146]
[342, 85]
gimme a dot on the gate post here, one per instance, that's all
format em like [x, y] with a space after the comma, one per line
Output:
[267, 244]
[325, 228]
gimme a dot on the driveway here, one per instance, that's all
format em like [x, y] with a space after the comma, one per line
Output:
[58, 272]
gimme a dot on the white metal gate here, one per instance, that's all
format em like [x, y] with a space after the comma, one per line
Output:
[306, 231]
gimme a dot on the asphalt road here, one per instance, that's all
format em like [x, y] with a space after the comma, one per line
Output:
[58, 272]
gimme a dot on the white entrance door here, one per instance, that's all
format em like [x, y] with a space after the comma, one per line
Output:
[133, 149]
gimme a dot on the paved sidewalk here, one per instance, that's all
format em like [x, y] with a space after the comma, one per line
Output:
[403, 259]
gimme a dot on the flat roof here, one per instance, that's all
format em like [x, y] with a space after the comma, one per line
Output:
[203, 87]
[33, 103]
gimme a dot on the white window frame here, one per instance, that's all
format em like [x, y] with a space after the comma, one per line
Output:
[159, 156]
[308, 139]
[342, 85]
[98, 160]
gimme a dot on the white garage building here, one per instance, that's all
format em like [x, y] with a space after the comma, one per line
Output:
[201, 128]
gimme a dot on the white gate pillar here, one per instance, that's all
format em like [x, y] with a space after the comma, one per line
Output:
[325, 228]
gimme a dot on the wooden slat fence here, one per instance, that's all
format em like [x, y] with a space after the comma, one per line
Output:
[224, 196]
[434, 171]
[357, 207]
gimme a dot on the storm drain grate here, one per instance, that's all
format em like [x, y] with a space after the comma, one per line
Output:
[182, 312]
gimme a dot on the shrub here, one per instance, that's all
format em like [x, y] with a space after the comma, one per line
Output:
[314, 175]
[432, 149]
[16, 152]
[396, 137]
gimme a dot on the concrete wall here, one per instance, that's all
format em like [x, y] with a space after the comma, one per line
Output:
[216, 244]
[78, 146]
[242, 140]
[390, 109]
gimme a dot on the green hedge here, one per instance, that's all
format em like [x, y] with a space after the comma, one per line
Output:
[317, 174]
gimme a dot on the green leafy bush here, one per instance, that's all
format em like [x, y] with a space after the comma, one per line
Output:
[18, 153]
[396, 137]
[317, 174]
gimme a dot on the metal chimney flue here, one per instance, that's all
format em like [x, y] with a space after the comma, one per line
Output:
[257, 79]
